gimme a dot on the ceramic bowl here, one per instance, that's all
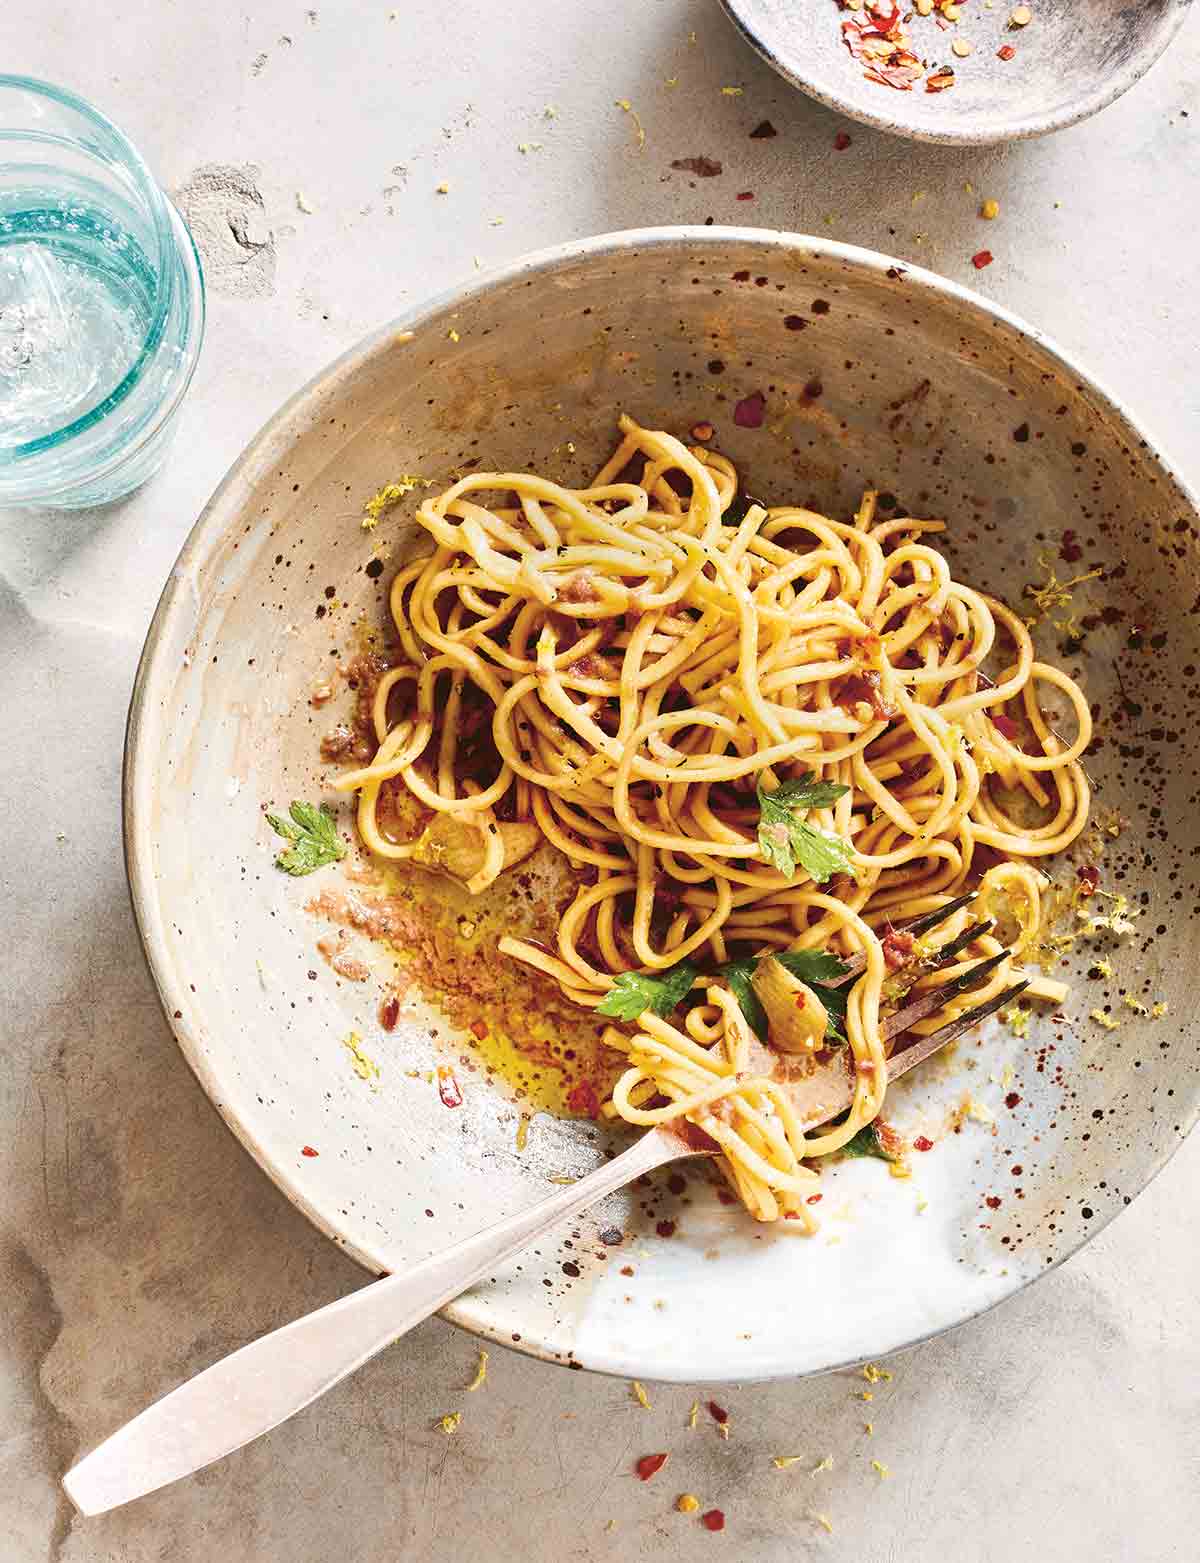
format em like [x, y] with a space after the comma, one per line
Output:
[1068, 62]
[873, 373]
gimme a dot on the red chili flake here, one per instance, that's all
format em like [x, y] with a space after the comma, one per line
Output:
[307, 1150]
[665, 1229]
[1005, 52]
[745, 195]
[479, 1029]
[1089, 881]
[841, 141]
[897, 947]
[702, 167]
[886, 15]
[814, 1199]
[1006, 725]
[750, 411]
[982, 258]
[922, 1143]
[448, 1087]
[993, 1202]
[718, 1413]
[389, 1013]
[763, 131]
[1012, 1099]
[582, 1099]
[713, 1519]
[649, 1464]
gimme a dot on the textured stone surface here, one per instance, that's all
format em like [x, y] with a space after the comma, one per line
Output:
[137, 1242]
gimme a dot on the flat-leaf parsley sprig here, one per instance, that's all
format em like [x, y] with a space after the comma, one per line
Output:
[635, 992]
[786, 841]
[312, 834]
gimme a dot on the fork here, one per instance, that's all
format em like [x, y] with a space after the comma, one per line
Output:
[262, 1384]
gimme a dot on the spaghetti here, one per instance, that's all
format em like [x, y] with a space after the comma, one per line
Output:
[661, 668]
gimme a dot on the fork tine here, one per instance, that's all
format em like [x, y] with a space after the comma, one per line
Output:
[925, 1047]
[855, 963]
[937, 998]
[954, 948]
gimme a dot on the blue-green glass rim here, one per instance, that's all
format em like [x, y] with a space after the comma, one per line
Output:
[164, 296]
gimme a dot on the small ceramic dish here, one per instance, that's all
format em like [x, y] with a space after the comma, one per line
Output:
[873, 374]
[1067, 61]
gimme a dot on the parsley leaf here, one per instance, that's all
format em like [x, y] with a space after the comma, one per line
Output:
[865, 1143]
[313, 835]
[810, 966]
[738, 974]
[634, 992]
[786, 841]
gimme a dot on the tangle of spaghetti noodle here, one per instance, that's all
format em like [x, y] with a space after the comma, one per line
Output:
[647, 655]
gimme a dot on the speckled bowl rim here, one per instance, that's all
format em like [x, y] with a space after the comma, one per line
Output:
[267, 450]
[1017, 129]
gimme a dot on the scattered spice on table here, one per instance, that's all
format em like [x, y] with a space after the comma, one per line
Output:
[841, 141]
[713, 1519]
[307, 1150]
[982, 258]
[687, 1503]
[649, 1465]
[989, 210]
[639, 1394]
[449, 1423]
[702, 167]
[480, 1371]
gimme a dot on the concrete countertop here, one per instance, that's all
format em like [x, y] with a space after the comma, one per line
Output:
[137, 1241]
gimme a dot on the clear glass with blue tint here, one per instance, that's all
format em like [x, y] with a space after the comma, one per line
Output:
[101, 304]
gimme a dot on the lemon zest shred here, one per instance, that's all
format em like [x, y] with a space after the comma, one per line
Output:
[365, 1068]
[392, 493]
[480, 1371]
[449, 1423]
[625, 105]
[639, 1394]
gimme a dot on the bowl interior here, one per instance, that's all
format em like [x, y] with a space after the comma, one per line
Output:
[1068, 62]
[873, 374]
